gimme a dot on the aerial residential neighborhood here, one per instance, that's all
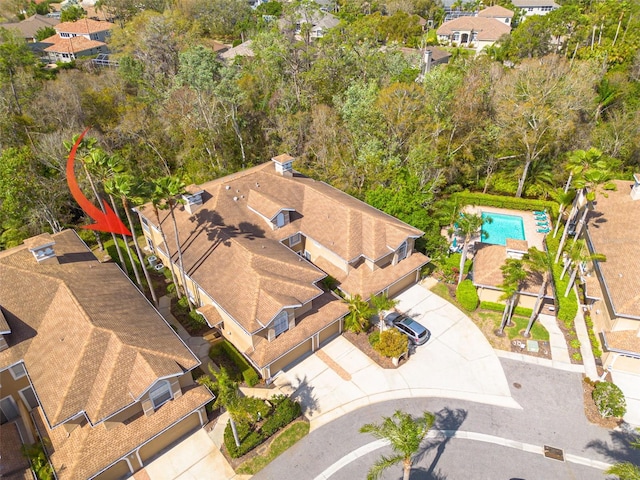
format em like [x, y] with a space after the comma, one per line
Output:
[319, 239]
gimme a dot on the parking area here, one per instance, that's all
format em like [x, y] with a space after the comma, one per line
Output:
[457, 362]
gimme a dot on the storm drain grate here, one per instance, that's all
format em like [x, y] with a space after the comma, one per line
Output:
[555, 453]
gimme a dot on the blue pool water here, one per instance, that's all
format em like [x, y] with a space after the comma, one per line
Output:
[502, 227]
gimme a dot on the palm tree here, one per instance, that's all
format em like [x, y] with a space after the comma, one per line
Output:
[380, 303]
[564, 198]
[593, 182]
[357, 320]
[626, 470]
[405, 434]
[541, 263]
[227, 397]
[581, 160]
[513, 275]
[124, 185]
[590, 183]
[169, 189]
[468, 225]
[105, 167]
[578, 253]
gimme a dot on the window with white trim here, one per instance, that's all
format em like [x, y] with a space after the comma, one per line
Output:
[402, 252]
[8, 409]
[295, 239]
[18, 371]
[280, 220]
[281, 323]
[145, 223]
[160, 393]
[29, 398]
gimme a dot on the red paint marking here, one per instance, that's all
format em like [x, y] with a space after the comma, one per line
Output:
[105, 222]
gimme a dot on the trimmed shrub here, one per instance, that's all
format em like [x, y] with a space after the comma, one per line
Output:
[283, 414]
[254, 407]
[595, 345]
[499, 307]
[374, 338]
[609, 399]
[249, 439]
[392, 343]
[499, 201]
[467, 295]
[249, 375]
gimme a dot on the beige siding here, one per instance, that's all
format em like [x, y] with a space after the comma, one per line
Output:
[402, 284]
[125, 414]
[329, 332]
[489, 295]
[116, 472]
[298, 312]
[290, 357]
[317, 250]
[235, 334]
[11, 386]
[170, 436]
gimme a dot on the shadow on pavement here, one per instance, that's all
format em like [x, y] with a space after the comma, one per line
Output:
[447, 423]
[302, 392]
[620, 449]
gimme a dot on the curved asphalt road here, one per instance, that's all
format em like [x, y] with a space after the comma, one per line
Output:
[552, 415]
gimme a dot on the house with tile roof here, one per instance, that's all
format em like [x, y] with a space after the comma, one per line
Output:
[612, 287]
[87, 364]
[487, 274]
[84, 37]
[259, 248]
[476, 32]
[535, 7]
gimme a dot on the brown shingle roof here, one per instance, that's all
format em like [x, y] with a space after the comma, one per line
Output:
[90, 341]
[487, 273]
[627, 340]
[234, 255]
[614, 229]
[84, 26]
[29, 26]
[326, 310]
[488, 29]
[86, 450]
[14, 465]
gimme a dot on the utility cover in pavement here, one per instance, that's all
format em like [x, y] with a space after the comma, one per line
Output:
[532, 346]
[555, 453]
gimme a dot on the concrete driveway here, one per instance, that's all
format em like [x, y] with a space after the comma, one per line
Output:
[457, 362]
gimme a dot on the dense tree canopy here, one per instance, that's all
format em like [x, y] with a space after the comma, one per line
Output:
[347, 106]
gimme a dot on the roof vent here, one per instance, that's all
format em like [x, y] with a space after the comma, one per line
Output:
[235, 199]
[41, 247]
[283, 164]
[227, 187]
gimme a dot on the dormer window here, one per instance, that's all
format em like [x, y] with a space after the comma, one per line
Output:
[295, 239]
[401, 253]
[279, 221]
[160, 393]
[281, 323]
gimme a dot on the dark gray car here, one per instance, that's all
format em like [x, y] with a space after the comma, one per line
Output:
[418, 334]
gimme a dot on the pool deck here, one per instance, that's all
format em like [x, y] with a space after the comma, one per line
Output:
[534, 239]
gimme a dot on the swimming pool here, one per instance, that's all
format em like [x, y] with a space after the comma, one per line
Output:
[501, 228]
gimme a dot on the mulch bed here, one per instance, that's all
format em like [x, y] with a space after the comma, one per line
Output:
[361, 341]
[568, 336]
[591, 411]
[544, 349]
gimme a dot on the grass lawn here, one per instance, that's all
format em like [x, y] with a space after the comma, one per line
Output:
[288, 437]
[538, 332]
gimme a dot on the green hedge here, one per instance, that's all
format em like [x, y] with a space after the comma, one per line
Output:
[499, 201]
[595, 345]
[567, 306]
[283, 412]
[467, 295]
[499, 307]
[249, 375]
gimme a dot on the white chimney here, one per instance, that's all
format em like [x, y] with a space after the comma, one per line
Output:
[192, 198]
[283, 164]
[41, 247]
[635, 190]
